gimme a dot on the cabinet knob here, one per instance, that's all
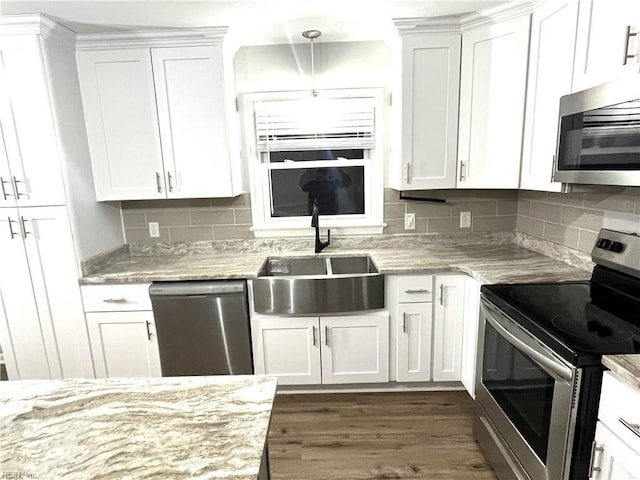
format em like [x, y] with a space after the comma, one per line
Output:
[592, 467]
[115, 300]
[463, 172]
[169, 182]
[417, 290]
[404, 322]
[158, 182]
[634, 427]
[15, 187]
[5, 195]
[13, 234]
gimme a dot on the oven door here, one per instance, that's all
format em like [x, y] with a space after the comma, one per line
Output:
[525, 394]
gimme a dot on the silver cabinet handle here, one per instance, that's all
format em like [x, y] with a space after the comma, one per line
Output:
[115, 300]
[13, 234]
[626, 45]
[314, 336]
[462, 170]
[553, 168]
[169, 183]
[408, 170]
[417, 290]
[592, 467]
[634, 427]
[23, 223]
[404, 322]
[158, 183]
[148, 330]
[5, 195]
[15, 187]
[326, 335]
[441, 294]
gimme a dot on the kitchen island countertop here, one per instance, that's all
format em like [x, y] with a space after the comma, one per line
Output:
[176, 427]
[488, 258]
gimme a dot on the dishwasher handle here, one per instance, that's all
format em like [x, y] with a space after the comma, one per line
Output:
[195, 288]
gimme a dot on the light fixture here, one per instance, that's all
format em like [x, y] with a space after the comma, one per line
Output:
[312, 35]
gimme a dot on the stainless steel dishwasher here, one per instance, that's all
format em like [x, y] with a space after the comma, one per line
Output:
[202, 327]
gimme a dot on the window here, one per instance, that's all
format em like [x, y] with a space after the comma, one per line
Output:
[317, 149]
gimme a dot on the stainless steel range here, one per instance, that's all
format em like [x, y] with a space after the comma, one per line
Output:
[539, 372]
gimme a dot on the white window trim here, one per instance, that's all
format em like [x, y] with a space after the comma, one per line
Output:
[264, 225]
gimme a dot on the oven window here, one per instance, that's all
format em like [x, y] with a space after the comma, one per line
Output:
[523, 390]
[607, 138]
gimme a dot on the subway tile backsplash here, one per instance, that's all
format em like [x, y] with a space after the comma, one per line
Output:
[570, 219]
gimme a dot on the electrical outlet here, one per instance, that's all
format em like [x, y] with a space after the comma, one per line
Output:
[465, 219]
[409, 221]
[154, 229]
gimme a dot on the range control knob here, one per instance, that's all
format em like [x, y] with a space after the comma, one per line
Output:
[616, 247]
[604, 243]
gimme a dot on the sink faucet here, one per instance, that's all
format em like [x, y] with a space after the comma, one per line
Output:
[315, 213]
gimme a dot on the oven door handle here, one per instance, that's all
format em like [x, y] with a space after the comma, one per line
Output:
[551, 365]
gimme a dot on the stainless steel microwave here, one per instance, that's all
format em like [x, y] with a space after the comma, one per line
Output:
[599, 135]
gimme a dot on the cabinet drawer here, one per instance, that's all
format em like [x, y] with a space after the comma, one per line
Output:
[619, 406]
[415, 288]
[115, 298]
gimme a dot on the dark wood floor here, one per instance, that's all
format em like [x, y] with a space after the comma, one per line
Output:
[414, 435]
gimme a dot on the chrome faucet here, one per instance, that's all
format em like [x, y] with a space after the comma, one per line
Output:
[315, 213]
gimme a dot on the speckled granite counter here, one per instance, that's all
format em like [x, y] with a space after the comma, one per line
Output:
[626, 367]
[179, 427]
[490, 258]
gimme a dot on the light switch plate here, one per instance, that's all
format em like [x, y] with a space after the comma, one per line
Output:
[409, 221]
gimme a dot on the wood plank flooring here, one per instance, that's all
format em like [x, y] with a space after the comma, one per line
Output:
[348, 436]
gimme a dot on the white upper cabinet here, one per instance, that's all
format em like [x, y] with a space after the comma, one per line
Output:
[30, 172]
[607, 42]
[429, 120]
[159, 121]
[550, 72]
[122, 126]
[492, 94]
[191, 112]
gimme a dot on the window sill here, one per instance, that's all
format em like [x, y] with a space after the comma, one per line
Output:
[270, 232]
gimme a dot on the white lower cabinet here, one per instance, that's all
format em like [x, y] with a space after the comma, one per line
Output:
[121, 330]
[448, 328]
[616, 448]
[328, 350]
[413, 332]
[42, 329]
[124, 344]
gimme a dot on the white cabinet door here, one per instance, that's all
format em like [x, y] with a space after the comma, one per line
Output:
[355, 348]
[492, 91]
[27, 354]
[287, 347]
[616, 460]
[448, 328]
[124, 344]
[193, 125]
[550, 74]
[122, 125]
[414, 326]
[430, 92]
[29, 136]
[470, 334]
[603, 43]
[54, 275]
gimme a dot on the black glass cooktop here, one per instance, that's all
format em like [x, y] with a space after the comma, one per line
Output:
[580, 322]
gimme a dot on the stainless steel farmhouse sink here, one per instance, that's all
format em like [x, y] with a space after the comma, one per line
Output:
[318, 285]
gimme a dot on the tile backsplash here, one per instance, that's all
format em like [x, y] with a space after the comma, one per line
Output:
[569, 219]
[573, 219]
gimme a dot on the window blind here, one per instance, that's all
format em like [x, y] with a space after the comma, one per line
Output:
[315, 123]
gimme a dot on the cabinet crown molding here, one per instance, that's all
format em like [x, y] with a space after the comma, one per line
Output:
[37, 24]
[151, 38]
[459, 23]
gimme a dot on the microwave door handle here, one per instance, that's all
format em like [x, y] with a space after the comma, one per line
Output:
[552, 367]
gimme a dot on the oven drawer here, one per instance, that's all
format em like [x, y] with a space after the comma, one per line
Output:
[619, 409]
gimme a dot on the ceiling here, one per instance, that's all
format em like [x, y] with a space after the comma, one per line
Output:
[255, 22]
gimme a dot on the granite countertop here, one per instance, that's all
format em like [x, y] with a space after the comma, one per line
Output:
[490, 258]
[626, 367]
[176, 427]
